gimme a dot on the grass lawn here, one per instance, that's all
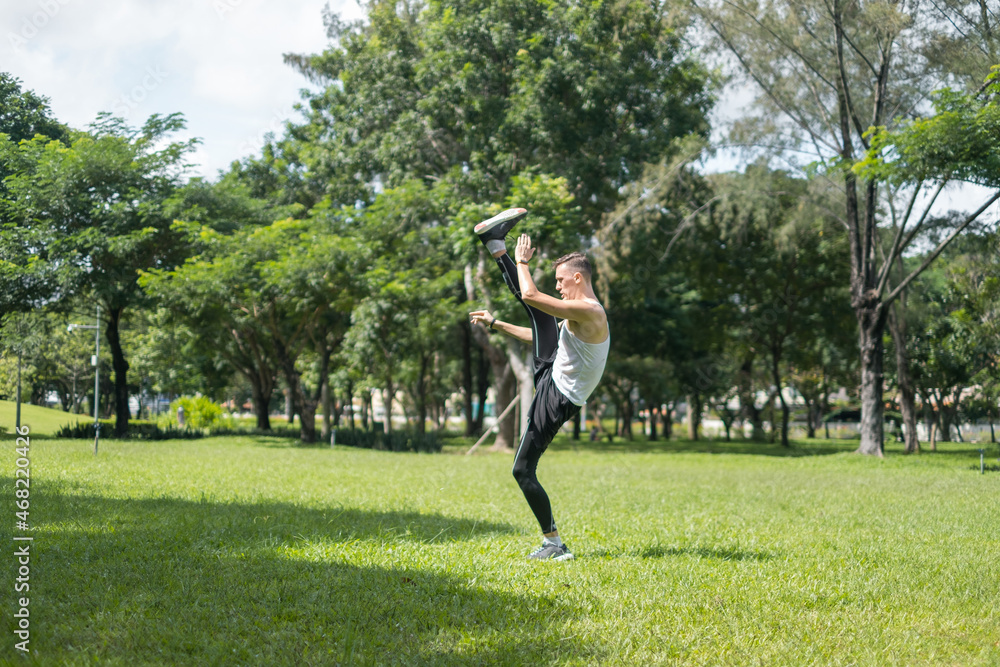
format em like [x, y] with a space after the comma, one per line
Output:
[41, 421]
[253, 551]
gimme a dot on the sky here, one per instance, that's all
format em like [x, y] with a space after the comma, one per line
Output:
[219, 62]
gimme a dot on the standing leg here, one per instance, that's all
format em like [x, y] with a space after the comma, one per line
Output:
[549, 411]
[525, 466]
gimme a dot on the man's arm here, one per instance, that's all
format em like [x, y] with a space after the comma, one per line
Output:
[484, 318]
[576, 310]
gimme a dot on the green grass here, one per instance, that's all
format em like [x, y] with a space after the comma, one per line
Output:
[41, 421]
[253, 551]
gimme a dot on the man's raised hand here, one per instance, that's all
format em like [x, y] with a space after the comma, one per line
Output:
[523, 251]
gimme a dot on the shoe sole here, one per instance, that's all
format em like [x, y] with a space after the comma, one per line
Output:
[511, 214]
[566, 556]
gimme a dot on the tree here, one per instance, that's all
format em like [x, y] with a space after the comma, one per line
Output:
[27, 280]
[23, 114]
[314, 279]
[61, 361]
[219, 291]
[953, 319]
[777, 261]
[827, 73]
[480, 98]
[101, 203]
[583, 92]
[408, 310]
[656, 303]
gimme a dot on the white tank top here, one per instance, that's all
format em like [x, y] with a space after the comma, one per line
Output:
[579, 365]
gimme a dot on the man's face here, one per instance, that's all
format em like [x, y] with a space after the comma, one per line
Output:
[567, 283]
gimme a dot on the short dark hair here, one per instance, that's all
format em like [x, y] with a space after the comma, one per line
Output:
[577, 263]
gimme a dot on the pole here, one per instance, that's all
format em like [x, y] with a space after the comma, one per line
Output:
[97, 378]
[499, 419]
[17, 419]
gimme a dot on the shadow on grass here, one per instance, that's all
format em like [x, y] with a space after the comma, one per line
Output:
[798, 448]
[658, 551]
[167, 581]
[746, 447]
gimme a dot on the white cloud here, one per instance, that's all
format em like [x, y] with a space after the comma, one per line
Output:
[219, 62]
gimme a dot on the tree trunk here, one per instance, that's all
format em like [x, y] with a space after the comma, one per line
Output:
[261, 401]
[120, 366]
[482, 387]
[349, 403]
[290, 408]
[627, 413]
[944, 420]
[776, 377]
[824, 402]
[366, 410]
[467, 388]
[748, 407]
[951, 415]
[425, 360]
[324, 392]
[326, 404]
[523, 371]
[307, 417]
[771, 418]
[907, 394]
[301, 404]
[907, 389]
[653, 414]
[871, 325]
[505, 389]
[388, 393]
[668, 422]
[693, 415]
[810, 417]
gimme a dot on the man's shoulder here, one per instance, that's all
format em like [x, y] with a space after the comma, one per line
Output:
[591, 304]
[586, 310]
[592, 322]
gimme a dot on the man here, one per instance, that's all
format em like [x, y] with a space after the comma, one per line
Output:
[568, 358]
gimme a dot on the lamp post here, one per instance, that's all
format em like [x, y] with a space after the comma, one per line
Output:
[17, 419]
[97, 371]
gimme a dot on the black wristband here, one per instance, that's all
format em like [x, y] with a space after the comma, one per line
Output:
[493, 322]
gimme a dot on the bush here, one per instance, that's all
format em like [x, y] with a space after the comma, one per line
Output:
[397, 441]
[275, 432]
[137, 430]
[199, 412]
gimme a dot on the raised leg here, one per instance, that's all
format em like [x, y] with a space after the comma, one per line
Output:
[544, 327]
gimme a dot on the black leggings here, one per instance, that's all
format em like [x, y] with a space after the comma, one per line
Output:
[549, 410]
